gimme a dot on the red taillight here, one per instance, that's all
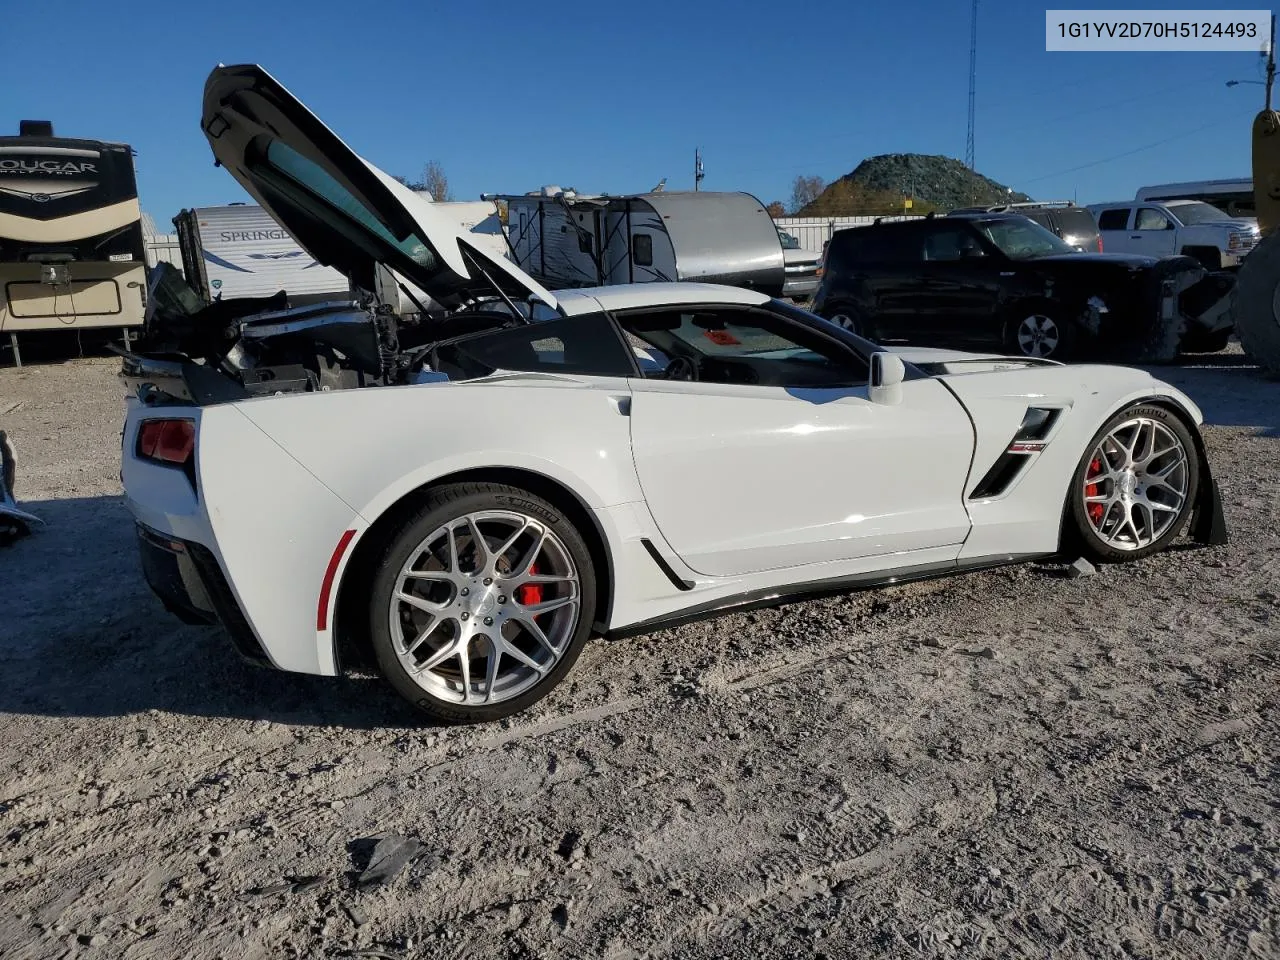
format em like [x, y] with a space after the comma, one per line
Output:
[1099, 243]
[169, 441]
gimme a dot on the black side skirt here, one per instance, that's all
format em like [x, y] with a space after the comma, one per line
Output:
[773, 596]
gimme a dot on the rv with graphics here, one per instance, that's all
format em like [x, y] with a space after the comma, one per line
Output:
[238, 250]
[566, 239]
[71, 251]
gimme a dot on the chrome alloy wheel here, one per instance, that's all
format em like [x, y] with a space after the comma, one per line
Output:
[484, 607]
[1038, 336]
[1135, 486]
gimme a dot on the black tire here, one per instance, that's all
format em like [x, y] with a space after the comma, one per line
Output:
[1081, 538]
[450, 503]
[1199, 340]
[849, 317]
[1209, 257]
[1023, 320]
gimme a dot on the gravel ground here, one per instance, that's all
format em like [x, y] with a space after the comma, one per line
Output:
[1008, 764]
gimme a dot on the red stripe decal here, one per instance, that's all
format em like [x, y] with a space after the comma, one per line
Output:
[322, 608]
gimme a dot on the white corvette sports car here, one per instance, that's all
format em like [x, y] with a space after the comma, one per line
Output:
[465, 498]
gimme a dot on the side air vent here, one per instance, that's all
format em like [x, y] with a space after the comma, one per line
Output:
[1037, 423]
[1001, 475]
[665, 567]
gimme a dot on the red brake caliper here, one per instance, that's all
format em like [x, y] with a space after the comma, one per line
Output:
[1091, 490]
[528, 593]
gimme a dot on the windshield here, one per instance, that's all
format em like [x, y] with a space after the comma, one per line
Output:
[1197, 212]
[1022, 239]
[788, 241]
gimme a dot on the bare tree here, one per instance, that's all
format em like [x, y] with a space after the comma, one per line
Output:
[776, 209]
[804, 191]
[435, 181]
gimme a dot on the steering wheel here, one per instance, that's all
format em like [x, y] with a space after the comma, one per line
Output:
[680, 368]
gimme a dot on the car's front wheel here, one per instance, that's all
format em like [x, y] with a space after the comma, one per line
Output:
[482, 602]
[1135, 486]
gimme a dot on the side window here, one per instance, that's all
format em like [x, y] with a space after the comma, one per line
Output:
[951, 243]
[732, 345]
[642, 249]
[585, 344]
[1116, 218]
[1150, 218]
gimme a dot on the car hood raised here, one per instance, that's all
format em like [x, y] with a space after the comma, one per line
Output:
[341, 209]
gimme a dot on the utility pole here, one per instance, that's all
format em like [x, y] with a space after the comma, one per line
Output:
[973, 80]
[1271, 60]
[697, 167]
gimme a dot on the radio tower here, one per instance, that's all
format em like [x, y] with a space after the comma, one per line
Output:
[973, 78]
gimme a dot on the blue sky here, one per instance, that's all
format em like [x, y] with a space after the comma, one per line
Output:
[613, 97]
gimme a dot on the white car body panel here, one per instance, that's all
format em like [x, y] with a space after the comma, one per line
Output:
[743, 479]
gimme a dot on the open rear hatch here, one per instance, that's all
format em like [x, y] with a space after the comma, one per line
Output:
[344, 211]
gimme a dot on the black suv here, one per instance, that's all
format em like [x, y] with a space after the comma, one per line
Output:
[1000, 282]
[1075, 225]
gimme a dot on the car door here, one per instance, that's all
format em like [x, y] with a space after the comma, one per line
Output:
[1113, 227]
[960, 282]
[880, 269]
[775, 456]
[1153, 233]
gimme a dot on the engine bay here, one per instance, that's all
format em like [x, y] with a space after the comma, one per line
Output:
[193, 351]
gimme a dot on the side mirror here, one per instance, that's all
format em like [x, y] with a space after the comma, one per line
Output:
[887, 373]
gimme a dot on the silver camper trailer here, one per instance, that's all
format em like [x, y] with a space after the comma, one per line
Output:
[566, 239]
[238, 250]
[71, 250]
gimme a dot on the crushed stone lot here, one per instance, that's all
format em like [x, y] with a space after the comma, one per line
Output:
[1015, 763]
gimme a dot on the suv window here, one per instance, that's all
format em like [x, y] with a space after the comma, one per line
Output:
[858, 245]
[742, 346]
[951, 243]
[1150, 218]
[1076, 221]
[1115, 219]
[586, 344]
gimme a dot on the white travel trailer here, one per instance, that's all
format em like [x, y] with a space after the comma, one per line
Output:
[565, 239]
[238, 250]
[1234, 197]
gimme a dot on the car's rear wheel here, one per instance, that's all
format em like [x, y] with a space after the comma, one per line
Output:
[482, 602]
[1135, 486]
[1037, 331]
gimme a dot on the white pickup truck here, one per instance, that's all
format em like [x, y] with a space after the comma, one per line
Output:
[1170, 227]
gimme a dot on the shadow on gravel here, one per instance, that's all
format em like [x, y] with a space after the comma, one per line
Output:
[1230, 389]
[82, 636]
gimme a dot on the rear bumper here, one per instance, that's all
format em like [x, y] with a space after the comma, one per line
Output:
[188, 581]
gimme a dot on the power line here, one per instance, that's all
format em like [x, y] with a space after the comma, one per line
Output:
[1129, 153]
